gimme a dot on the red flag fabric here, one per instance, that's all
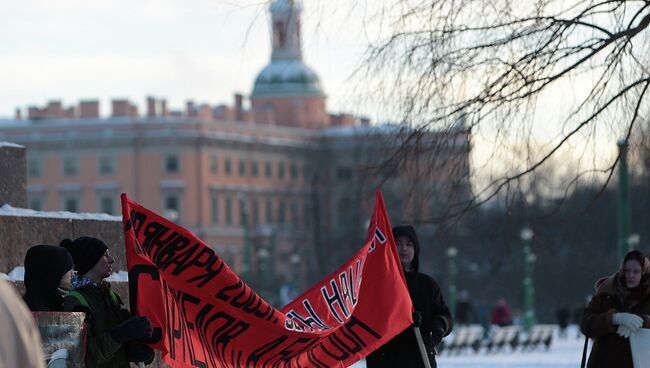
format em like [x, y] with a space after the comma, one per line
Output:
[204, 315]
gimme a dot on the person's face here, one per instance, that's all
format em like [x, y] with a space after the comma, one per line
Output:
[632, 270]
[65, 280]
[405, 250]
[103, 268]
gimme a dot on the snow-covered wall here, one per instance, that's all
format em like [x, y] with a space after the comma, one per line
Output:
[22, 228]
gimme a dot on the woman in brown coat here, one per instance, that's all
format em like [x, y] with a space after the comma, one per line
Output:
[619, 308]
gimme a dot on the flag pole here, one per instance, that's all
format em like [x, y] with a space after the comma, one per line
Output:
[423, 350]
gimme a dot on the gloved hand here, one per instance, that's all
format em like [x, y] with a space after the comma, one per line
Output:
[138, 352]
[624, 331]
[438, 331]
[417, 318]
[629, 320]
[134, 328]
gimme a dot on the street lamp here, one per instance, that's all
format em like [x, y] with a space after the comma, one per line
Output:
[633, 241]
[623, 200]
[529, 288]
[246, 267]
[262, 256]
[452, 252]
[295, 268]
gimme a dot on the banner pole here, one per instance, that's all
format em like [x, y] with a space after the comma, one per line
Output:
[423, 350]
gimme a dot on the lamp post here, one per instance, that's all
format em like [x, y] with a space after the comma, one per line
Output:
[295, 269]
[262, 267]
[452, 252]
[633, 241]
[529, 288]
[623, 201]
[246, 266]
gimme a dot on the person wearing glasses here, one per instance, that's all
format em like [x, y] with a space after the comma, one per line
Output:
[434, 317]
[113, 335]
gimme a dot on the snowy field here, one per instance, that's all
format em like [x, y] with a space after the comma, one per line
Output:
[563, 353]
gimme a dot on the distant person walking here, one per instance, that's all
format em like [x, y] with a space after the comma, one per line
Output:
[465, 313]
[562, 316]
[620, 306]
[501, 314]
[112, 333]
[48, 273]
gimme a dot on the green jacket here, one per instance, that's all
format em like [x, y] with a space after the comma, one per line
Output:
[104, 310]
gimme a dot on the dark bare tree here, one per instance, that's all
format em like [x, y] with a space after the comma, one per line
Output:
[501, 65]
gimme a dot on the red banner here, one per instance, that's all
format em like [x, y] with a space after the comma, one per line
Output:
[205, 316]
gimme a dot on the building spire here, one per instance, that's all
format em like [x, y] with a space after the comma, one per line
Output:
[285, 30]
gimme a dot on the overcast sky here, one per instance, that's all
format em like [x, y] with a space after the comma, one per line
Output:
[204, 50]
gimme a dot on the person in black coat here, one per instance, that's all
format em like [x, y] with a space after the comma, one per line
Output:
[48, 270]
[429, 305]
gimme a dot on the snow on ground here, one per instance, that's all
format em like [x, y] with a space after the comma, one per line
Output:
[563, 353]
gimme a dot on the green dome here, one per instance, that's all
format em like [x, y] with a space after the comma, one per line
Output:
[287, 77]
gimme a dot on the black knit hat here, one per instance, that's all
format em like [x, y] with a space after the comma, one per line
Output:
[409, 232]
[45, 265]
[86, 251]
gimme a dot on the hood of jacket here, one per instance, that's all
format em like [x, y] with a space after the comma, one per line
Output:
[615, 284]
[409, 232]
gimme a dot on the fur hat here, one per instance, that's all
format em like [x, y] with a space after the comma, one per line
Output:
[86, 251]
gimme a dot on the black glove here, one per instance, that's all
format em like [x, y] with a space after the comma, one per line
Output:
[138, 352]
[134, 328]
[437, 331]
[417, 318]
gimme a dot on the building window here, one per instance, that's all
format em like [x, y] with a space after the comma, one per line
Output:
[172, 207]
[254, 169]
[281, 170]
[106, 165]
[106, 205]
[70, 166]
[281, 214]
[295, 217]
[71, 204]
[172, 164]
[269, 211]
[34, 168]
[243, 212]
[344, 210]
[294, 171]
[229, 211]
[36, 204]
[242, 167]
[228, 166]
[214, 164]
[268, 169]
[343, 173]
[214, 208]
[256, 211]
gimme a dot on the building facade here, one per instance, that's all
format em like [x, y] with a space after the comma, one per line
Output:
[275, 189]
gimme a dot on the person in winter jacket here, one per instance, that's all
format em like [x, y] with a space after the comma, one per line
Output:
[113, 335]
[48, 272]
[429, 305]
[619, 307]
[501, 314]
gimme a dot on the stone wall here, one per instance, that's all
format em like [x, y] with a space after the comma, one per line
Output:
[13, 175]
[18, 233]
